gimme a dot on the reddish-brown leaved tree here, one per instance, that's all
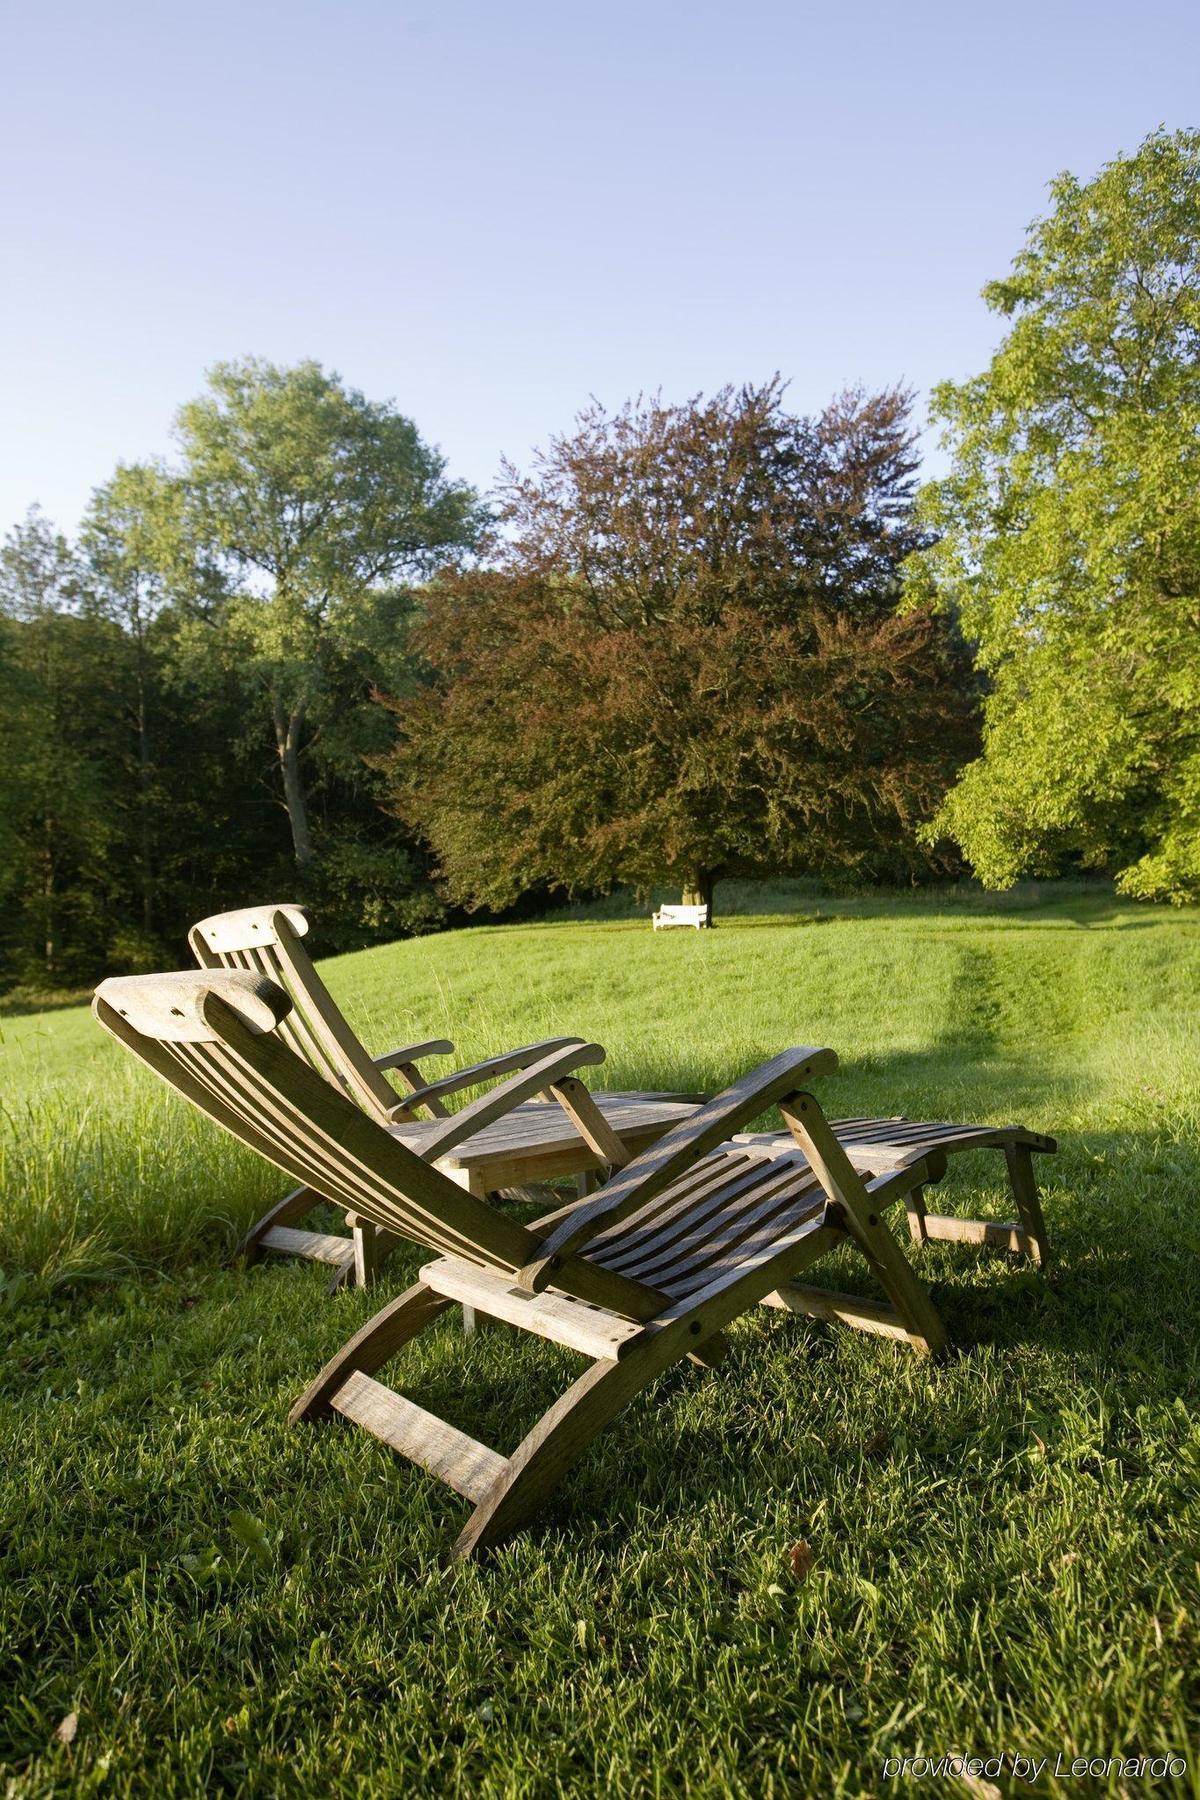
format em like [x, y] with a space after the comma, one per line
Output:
[688, 663]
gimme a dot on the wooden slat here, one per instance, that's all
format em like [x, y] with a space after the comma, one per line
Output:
[744, 1206]
[755, 1219]
[748, 1236]
[301, 1111]
[490, 1069]
[842, 1309]
[904, 1138]
[589, 1121]
[326, 1023]
[318, 1246]
[588, 1329]
[467, 1466]
[683, 1207]
[491, 1107]
[535, 1129]
[1004, 1235]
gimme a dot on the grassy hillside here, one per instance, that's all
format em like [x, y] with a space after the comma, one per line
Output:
[1003, 1548]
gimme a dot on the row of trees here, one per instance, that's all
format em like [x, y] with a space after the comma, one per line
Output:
[691, 641]
[671, 652]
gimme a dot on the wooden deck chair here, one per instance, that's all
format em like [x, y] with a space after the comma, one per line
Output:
[647, 1272]
[266, 940]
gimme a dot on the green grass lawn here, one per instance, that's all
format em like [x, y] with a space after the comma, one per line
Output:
[1004, 1548]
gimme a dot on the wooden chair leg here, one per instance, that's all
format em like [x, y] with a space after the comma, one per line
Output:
[366, 1259]
[914, 1207]
[375, 1344]
[560, 1436]
[864, 1222]
[1029, 1205]
[899, 1281]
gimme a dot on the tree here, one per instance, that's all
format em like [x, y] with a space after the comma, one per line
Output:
[688, 663]
[1069, 537]
[135, 560]
[313, 500]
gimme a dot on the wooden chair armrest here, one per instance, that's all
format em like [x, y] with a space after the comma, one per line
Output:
[408, 1053]
[570, 1053]
[673, 1155]
[883, 1189]
[487, 1070]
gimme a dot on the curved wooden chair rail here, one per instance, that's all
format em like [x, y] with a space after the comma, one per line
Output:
[650, 1270]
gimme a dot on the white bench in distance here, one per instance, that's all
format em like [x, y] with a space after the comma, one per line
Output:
[681, 915]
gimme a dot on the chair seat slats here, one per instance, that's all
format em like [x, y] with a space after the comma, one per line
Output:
[685, 1203]
[738, 1220]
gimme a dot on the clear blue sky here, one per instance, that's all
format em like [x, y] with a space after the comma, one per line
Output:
[488, 212]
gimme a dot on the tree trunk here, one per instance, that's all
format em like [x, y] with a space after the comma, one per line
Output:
[48, 900]
[287, 739]
[144, 845]
[698, 890]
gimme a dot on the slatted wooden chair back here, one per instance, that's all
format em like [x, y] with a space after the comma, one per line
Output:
[219, 1038]
[266, 941]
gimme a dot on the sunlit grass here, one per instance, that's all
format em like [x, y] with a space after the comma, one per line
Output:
[1003, 1547]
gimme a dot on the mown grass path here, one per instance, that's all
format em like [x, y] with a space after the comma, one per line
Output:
[1003, 1549]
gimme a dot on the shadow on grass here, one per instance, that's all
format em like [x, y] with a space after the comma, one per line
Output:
[929, 1084]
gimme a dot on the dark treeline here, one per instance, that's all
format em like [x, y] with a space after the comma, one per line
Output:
[140, 786]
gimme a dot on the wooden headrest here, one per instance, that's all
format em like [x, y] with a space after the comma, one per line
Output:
[171, 1008]
[250, 928]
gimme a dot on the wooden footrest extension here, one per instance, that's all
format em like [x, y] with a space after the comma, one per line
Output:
[573, 1323]
[840, 1309]
[318, 1246]
[468, 1467]
[1006, 1235]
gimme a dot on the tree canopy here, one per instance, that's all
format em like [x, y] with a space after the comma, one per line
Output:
[1068, 537]
[314, 502]
[687, 663]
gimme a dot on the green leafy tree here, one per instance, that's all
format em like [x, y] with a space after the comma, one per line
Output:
[315, 503]
[135, 560]
[1068, 537]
